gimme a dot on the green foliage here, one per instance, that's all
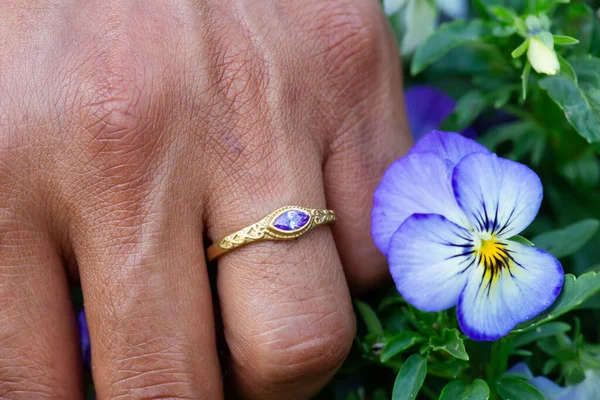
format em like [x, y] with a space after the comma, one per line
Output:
[448, 37]
[460, 390]
[410, 378]
[515, 388]
[565, 242]
[552, 124]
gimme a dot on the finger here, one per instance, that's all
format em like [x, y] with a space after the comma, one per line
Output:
[370, 139]
[149, 307]
[286, 309]
[39, 355]
[136, 229]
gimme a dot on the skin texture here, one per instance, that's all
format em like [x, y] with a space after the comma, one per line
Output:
[133, 133]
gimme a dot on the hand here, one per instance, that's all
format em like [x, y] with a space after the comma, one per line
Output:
[129, 131]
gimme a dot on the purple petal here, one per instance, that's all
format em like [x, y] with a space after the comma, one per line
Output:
[498, 196]
[84, 337]
[427, 108]
[448, 145]
[417, 183]
[552, 391]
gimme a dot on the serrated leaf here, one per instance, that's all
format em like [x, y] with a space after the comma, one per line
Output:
[580, 100]
[459, 390]
[399, 343]
[565, 242]
[447, 37]
[550, 329]
[575, 291]
[369, 317]
[450, 342]
[410, 378]
[518, 389]
[565, 40]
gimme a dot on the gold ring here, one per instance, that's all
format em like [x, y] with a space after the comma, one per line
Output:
[285, 223]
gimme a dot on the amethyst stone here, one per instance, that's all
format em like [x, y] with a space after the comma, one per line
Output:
[291, 220]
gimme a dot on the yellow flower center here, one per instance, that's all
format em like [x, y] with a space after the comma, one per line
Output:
[493, 256]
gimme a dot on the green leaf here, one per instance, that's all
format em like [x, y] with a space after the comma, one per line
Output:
[518, 389]
[565, 242]
[451, 343]
[567, 69]
[467, 109]
[565, 40]
[410, 378]
[399, 343]
[447, 37]
[515, 375]
[583, 171]
[580, 101]
[522, 353]
[519, 51]
[575, 291]
[369, 317]
[459, 390]
[503, 14]
[522, 240]
[551, 329]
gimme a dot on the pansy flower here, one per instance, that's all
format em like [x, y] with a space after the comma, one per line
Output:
[444, 216]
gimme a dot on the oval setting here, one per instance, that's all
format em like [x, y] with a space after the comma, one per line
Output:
[291, 220]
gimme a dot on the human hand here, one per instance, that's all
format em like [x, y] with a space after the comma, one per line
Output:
[130, 130]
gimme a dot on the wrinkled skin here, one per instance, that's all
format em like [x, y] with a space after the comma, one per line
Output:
[130, 131]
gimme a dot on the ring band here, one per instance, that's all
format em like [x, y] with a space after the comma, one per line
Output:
[285, 223]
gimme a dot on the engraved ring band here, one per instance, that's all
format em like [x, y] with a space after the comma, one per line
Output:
[285, 223]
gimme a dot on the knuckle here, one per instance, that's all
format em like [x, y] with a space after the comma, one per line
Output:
[351, 36]
[313, 346]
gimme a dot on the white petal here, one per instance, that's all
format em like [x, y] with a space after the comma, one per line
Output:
[489, 308]
[542, 59]
[429, 260]
[498, 196]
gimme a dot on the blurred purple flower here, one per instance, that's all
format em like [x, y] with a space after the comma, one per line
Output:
[84, 335]
[427, 108]
[588, 389]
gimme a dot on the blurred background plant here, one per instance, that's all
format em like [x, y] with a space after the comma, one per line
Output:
[523, 77]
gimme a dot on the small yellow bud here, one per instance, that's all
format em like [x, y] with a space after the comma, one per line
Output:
[542, 59]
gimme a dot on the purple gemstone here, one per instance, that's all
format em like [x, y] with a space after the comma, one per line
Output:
[291, 220]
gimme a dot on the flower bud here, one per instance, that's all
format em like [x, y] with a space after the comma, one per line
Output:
[543, 59]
